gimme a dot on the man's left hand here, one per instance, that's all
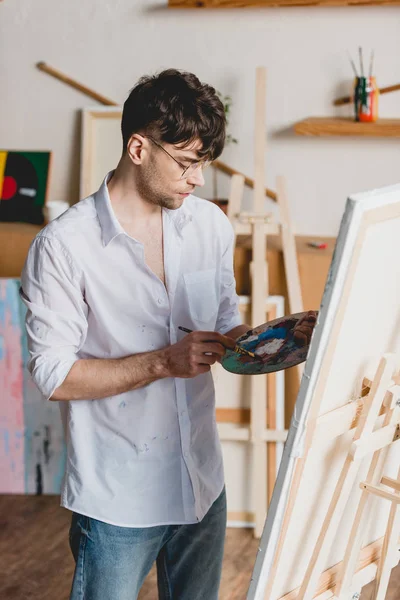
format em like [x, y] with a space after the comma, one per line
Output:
[302, 332]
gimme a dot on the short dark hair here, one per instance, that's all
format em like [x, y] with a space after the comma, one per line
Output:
[175, 107]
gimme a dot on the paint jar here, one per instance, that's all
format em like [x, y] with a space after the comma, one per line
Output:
[366, 94]
[54, 208]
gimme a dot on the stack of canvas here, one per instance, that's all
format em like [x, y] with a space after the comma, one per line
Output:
[32, 449]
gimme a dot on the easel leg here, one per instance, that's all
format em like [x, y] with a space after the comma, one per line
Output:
[235, 200]
[259, 293]
[389, 552]
[365, 426]
[360, 524]
[271, 424]
[292, 273]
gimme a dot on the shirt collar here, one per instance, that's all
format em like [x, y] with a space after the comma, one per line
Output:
[110, 226]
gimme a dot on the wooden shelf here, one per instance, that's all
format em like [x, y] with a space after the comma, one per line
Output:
[199, 4]
[340, 126]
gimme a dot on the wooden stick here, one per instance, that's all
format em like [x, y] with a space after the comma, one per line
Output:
[235, 201]
[366, 571]
[289, 257]
[378, 491]
[271, 423]
[289, 250]
[349, 99]
[389, 551]
[391, 483]
[221, 166]
[259, 292]
[361, 521]
[376, 441]
[42, 66]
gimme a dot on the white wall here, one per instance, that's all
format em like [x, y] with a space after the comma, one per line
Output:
[109, 44]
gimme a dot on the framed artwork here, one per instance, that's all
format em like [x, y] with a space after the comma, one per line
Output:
[24, 178]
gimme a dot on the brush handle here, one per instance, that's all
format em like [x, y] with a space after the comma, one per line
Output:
[237, 348]
[240, 350]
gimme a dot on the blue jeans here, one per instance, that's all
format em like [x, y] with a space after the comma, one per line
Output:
[112, 562]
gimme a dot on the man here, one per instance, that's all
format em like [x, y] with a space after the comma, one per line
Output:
[106, 286]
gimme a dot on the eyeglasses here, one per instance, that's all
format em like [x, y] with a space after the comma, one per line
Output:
[186, 171]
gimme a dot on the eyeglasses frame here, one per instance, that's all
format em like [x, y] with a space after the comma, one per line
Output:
[203, 164]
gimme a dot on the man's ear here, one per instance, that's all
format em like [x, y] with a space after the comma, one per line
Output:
[135, 148]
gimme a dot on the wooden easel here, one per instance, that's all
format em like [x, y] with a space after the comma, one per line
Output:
[372, 439]
[259, 225]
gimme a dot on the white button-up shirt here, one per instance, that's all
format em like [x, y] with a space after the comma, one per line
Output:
[150, 456]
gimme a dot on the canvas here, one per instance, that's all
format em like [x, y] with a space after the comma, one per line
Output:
[359, 322]
[32, 448]
[101, 146]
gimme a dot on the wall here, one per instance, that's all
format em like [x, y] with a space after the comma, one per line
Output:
[108, 45]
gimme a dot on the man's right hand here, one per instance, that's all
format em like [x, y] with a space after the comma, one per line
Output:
[195, 353]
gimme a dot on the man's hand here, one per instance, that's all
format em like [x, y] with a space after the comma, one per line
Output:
[303, 330]
[195, 353]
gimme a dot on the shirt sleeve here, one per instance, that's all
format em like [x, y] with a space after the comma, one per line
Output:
[56, 318]
[228, 314]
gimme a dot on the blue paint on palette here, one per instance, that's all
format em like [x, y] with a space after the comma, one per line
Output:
[275, 347]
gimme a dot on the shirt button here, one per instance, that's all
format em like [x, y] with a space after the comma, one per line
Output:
[159, 301]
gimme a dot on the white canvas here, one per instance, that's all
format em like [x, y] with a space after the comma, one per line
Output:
[359, 321]
[101, 146]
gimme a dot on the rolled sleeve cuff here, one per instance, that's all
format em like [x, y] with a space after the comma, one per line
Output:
[226, 326]
[49, 373]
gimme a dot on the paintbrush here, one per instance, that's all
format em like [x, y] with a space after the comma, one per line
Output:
[371, 63]
[352, 64]
[361, 61]
[238, 349]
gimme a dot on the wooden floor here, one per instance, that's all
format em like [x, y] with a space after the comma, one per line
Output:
[36, 562]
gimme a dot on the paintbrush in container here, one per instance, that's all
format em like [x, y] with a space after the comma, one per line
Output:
[360, 52]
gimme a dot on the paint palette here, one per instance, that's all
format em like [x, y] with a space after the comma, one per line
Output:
[277, 344]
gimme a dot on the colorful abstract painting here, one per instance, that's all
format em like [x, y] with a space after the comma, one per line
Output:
[23, 186]
[32, 447]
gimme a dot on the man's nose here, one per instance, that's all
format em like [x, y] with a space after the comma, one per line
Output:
[196, 178]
